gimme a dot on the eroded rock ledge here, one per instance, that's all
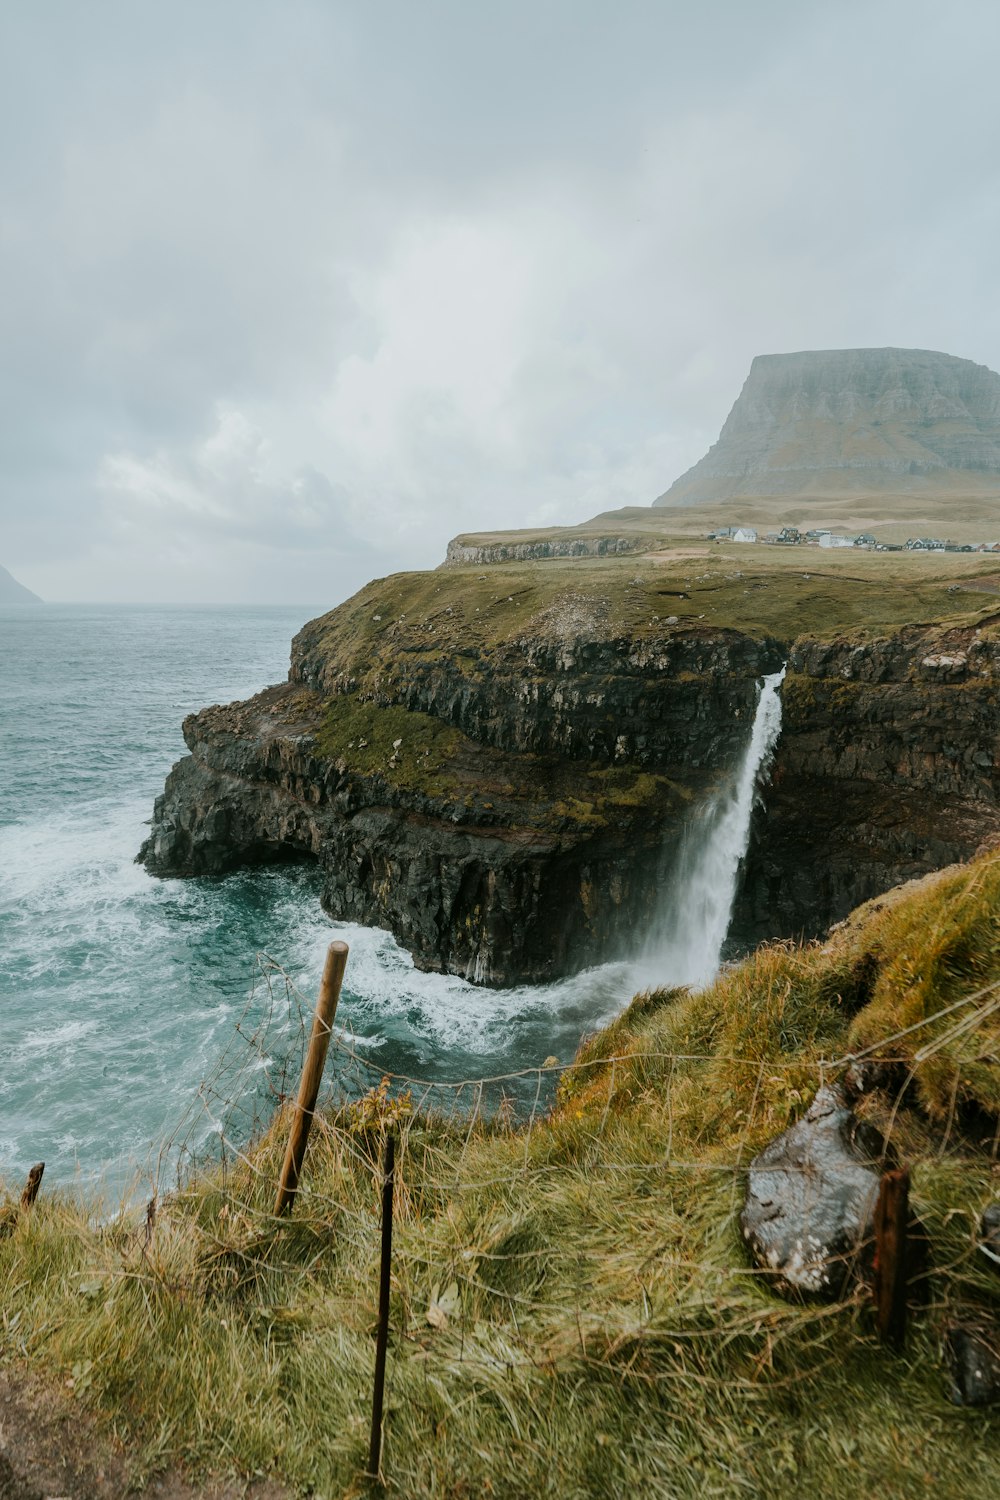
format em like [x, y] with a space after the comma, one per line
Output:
[888, 767]
[500, 802]
[497, 768]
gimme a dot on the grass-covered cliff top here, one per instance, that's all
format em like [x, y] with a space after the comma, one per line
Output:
[572, 1309]
[966, 514]
[465, 613]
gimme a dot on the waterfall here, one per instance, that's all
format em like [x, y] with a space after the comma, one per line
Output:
[687, 945]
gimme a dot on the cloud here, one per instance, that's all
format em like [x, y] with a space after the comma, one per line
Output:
[295, 292]
[227, 486]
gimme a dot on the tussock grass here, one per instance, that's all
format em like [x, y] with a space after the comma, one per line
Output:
[374, 641]
[573, 1313]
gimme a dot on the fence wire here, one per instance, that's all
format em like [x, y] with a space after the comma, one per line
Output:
[533, 1221]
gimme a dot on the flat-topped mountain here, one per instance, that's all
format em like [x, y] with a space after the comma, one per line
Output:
[12, 592]
[854, 421]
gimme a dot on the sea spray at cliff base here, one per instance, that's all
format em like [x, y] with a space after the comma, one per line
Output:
[118, 992]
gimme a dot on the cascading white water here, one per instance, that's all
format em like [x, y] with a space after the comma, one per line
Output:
[687, 945]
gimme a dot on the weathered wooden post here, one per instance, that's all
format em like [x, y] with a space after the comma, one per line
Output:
[312, 1074]
[32, 1185]
[891, 1221]
[382, 1339]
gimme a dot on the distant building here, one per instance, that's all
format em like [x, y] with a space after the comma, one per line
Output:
[829, 540]
[788, 536]
[744, 534]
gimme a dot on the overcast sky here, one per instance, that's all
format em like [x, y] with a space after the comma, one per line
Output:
[295, 290]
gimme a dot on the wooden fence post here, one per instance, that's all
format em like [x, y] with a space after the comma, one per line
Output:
[32, 1185]
[891, 1221]
[382, 1340]
[312, 1074]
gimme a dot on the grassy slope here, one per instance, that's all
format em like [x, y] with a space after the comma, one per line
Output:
[598, 1332]
[466, 612]
[966, 514]
[475, 618]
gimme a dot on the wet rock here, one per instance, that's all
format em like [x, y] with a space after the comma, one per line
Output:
[510, 857]
[887, 769]
[972, 1351]
[810, 1201]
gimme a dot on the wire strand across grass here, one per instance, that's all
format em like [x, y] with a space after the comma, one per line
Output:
[573, 1311]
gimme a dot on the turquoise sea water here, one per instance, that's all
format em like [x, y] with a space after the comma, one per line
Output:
[118, 992]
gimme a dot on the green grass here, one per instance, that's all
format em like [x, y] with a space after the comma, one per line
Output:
[594, 1327]
[458, 638]
[417, 752]
[477, 619]
[968, 513]
[412, 749]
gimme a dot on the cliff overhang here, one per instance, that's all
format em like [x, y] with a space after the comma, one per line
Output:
[498, 767]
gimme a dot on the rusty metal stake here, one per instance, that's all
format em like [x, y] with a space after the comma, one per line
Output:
[891, 1220]
[382, 1341]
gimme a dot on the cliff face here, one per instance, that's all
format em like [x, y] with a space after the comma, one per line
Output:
[831, 421]
[888, 767]
[506, 819]
[462, 553]
[498, 768]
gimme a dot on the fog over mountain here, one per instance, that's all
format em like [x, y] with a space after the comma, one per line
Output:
[292, 294]
[12, 592]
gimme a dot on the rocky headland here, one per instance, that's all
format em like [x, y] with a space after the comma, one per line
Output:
[494, 781]
[12, 592]
[835, 421]
[498, 766]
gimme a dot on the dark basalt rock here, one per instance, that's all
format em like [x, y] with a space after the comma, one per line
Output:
[810, 1201]
[519, 865]
[885, 771]
[509, 869]
[972, 1351]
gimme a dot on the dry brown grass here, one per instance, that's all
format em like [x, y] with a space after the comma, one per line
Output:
[572, 1311]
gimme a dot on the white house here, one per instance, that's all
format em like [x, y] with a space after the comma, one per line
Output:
[744, 534]
[829, 540]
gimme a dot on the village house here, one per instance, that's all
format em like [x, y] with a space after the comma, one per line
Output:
[829, 540]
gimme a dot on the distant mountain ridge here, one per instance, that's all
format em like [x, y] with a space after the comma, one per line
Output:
[12, 592]
[836, 421]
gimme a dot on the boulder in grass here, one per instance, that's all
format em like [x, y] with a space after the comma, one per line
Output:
[810, 1201]
[973, 1354]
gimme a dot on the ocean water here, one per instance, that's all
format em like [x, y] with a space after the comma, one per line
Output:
[119, 993]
